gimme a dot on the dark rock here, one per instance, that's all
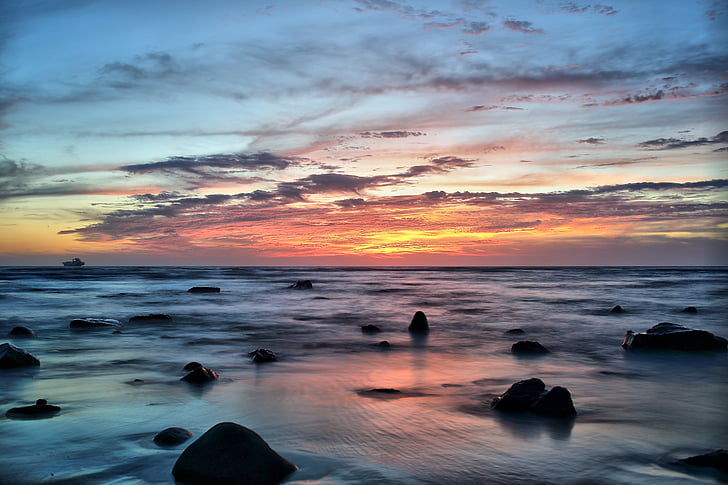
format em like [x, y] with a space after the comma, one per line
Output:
[204, 289]
[370, 329]
[21, 332]
[716, 459]
[673, 337]
[302, 285]
[617, 309]
[172, 436]
[520, 396]
[229, 453]
[153, 317]
[515, 331]
[385, 390]
[192, 365]
[95, 323]
[556, 402]
[200, 375]
[12, 356]
[419, 323]
[528, 347]
[690, 309]
[383, 344]
[41, 409]
[263, 355]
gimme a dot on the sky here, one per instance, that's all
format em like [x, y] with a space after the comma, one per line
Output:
[364, 132]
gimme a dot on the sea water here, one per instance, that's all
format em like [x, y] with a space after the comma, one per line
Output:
[638, 412]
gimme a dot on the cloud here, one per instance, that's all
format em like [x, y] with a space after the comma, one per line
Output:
[522, 26]
[390, 134]
[152, 65]
[592, 141]
[678, 143]
[494, 107]
[572, 7]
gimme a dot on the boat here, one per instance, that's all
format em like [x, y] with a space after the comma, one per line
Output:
[74, 262]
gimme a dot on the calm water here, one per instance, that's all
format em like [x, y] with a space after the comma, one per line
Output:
[637, 412]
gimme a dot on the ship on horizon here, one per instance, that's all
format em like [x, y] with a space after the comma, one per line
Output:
[74, 262]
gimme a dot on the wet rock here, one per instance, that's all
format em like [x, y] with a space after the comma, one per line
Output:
[21, 332]
[229, 453]
[40, 410]
[717, 459]
[556, 402]
[383, 344]
[528, 347]
[617, 309]
[672, 336]
[690, 309]
[192, 365]
[520, 396]
[419, 323]
[302, 285]
[204, 289]
[12, 356]
[200, 375]
[152, 317]
[95, 323]
[515, 331]
[385, 390]
[370, 329]
[172, 436]
[263, 355]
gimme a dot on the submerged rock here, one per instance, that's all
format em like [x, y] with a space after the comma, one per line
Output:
[41, 409]
[153, 317]
[515, 331]
[21, 332]
[204, 289]
[383, 344]
[95, 323]
[672, 336]
[531, 395]
[192, 365]
[172, 436]
[616, 309]
[229, 453]
[12, 356]
[370, 329]
[690, 309]
[200, 375]
[419, 323]
[528, 347]
[263, 355]
[717, 459]
[302, 285]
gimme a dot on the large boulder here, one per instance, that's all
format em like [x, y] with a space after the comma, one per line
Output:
[528, 347]
[12, 356]
[531, 395]
[419, 323]
[229, 453]
[95, 323]
[556, 402]
[200, 375]
[172, 436]
[673, 337]
[41, 409]
[21, 332]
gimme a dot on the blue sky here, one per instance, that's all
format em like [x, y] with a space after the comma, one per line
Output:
[208, 131]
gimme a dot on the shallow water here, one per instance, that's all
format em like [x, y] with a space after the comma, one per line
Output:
[637, 412]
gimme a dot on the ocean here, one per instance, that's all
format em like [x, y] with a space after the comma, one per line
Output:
[637, 412]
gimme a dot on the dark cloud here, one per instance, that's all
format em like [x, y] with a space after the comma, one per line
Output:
[522, 26]
[390, 134]
[475, 28]
[572, 7]
[152, 65]
[677, 143]
[494, 107]
[592, 140]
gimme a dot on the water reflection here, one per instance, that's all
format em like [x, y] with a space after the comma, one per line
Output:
[528, 426]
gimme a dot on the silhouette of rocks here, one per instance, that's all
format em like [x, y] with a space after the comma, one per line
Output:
[229, 453]
[302, 285]
[690, 309]
[531, 395]
[383, 344]
[556, 402]
[200, 375]
[385, 390]
[192, 365]
[12, 356]
[717, 459]
[41, 409]
[370, 329]
[263, 355]
[172, 436]
[21, 332]
[673, 337]
[152, 317]
[617, 309]
[528, 347]
[515, 331]
[419, 323]
[204, 289]
[95, 323]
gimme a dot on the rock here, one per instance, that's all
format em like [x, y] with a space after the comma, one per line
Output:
[717, 459]
[556, 402]
[673, 337]
[383, 344]
[617, 309]
[21, 332]
[95, 323]
[229, 453]
[12, 356]
[520, 396]
[154, 317]
[204, 289]
[370, 329]
[419, 323]
[690, 309]
[385, 390]
[192, 365]
[41, 409]
[302, 285]
[528, 347]
[515, 331]
[172, 436]
[263, 355]
[200, 375]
